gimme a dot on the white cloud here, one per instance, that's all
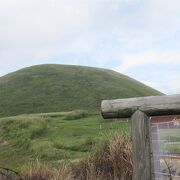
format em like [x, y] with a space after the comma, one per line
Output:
[167, 87]
[131, 32]
[78, 26]
[164, 16]
[133, 60]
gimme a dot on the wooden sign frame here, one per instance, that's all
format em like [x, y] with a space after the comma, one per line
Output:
[140, 109]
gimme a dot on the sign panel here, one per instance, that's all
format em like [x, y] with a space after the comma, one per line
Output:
[165, 137]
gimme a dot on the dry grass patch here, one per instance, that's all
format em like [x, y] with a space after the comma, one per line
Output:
[40, 171]
[112, 161]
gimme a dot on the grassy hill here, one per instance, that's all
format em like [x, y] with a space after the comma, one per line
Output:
[57, 88]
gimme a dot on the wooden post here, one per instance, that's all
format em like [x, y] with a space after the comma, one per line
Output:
[141, 146]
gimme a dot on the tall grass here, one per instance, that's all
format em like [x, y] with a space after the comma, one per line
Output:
[112, 160]
[40, 171]
[37, 171]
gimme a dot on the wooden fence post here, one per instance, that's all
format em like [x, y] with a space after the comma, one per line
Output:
[141, 146]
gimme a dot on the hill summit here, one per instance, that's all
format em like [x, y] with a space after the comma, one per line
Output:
[52, 88]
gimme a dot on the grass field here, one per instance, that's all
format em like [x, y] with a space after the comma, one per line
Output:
[52, 137]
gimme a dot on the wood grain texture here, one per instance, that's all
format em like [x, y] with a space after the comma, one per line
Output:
[152, 106]
[141, 147]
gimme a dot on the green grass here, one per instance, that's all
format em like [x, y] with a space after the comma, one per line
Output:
[56, 88]
[52, 137]
[64, 134]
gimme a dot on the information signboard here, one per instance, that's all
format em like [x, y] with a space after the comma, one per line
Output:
[165, 137]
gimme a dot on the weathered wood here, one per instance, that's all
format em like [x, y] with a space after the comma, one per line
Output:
[141, 146]
[152, 106]
[151, 151]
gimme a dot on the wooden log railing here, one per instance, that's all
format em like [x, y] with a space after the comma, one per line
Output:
[152, 106]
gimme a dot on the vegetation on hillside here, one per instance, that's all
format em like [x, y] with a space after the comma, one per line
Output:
[111, 159]
[56, 88]
[52, 137]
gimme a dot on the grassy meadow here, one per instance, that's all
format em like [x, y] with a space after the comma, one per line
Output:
[53, 137]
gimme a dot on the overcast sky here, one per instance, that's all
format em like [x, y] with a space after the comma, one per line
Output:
[139, 38]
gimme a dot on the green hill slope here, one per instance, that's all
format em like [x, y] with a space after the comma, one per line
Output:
[51, 88]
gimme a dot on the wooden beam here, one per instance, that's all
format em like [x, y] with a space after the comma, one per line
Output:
[152, 106]
[142, 166]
